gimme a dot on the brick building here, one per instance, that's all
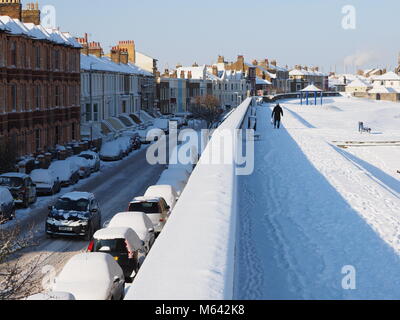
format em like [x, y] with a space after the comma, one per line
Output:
[39, 82]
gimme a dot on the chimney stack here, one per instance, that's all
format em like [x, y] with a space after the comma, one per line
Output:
[31, 14]
[115, 55]
[124, 56]
[273, 62]
[182, 74]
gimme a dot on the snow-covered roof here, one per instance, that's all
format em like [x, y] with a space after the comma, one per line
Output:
[388, 77]
[198, 73]
[75, 196]
[296, 72]
[382, 89]
[17, 27]
[262, 81]
[127, 233]
[358, 83]
[311, 88]
[106, 64]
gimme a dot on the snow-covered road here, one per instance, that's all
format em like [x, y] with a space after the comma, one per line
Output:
[114, 187]
[311, 208]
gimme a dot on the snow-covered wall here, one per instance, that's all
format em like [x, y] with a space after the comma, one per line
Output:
[193, 258]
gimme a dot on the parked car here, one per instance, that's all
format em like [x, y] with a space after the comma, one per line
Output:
[7, 207]
[21, 187]
[125, 145]
[47, 183]
[155, 208]
[74, 214]
[123, 244]
[82, 165]
[66, 171]
[137, 221]
[92, 276]
[111, 151]
[93, 158]
[167, 192]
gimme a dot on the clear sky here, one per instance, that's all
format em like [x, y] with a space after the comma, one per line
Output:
[307, 32]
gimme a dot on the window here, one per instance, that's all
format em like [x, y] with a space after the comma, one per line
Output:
[37, 139]
[88, 112]
[13, 53]
[56, 59]
[37, 97]
[13, 98]
[95, 112]
[73, 131]
[37, 57]
[57, 96]
[23, 97]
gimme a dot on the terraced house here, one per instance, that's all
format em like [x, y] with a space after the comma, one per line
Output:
[39, 82]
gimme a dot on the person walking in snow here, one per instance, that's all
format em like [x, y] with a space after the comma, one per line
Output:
[276, 116]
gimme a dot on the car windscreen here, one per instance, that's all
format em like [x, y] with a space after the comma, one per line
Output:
[86, 156]
[110, 246]
[11, 182]
[146, 207]
[66, 204]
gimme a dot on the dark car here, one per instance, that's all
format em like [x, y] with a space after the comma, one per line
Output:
[7, 208]
[74, 214]
[21, 187]
[123, 244]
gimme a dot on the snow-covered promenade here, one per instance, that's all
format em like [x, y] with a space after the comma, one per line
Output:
[312, 208]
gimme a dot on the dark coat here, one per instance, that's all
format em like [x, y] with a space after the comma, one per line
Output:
[277, 113]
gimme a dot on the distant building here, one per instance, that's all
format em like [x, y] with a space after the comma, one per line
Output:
[39, 82]
[301, 77]
[358, 86]
[111, 89]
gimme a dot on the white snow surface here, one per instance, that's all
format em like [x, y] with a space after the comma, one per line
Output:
[198, 242]
[311, 208]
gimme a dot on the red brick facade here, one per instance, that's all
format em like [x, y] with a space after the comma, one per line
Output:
[39, 93]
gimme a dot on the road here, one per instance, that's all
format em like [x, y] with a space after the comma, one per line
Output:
[114, 187]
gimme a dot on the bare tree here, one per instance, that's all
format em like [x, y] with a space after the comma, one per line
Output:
[207, 108]
[16, 280]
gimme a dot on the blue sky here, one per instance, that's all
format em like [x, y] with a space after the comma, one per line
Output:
[306, 32]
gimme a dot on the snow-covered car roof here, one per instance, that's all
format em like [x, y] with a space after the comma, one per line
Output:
[112, 148]
[92, 153]
[146, 199]
[5, 195]
[75, 196]
[112, 233]
[167, 192]
[42, 175]
[89, 276]
[137, 221]
[14, 175]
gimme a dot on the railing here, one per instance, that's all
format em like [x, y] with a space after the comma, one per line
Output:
[193, 258]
